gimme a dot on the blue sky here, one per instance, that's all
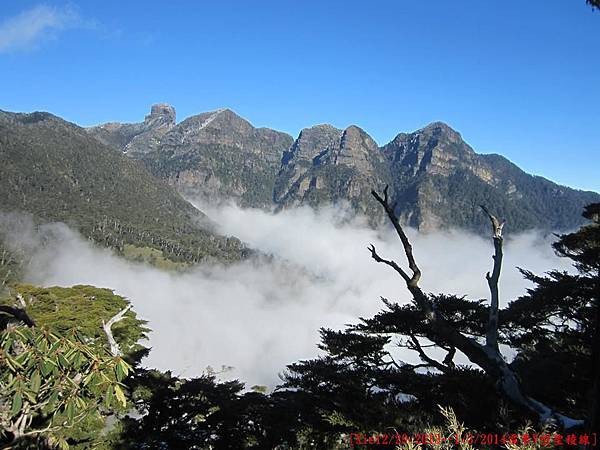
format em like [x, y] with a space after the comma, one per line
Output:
[519, 78]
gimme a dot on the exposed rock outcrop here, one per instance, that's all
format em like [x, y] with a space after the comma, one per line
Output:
[436, 178]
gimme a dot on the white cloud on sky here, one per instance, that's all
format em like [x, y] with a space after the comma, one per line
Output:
[30, 28]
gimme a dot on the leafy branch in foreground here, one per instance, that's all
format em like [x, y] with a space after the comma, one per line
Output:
[58, 385]
[49, 382]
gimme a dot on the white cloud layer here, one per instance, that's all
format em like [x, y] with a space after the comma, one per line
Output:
[258, 316]
[29, 28]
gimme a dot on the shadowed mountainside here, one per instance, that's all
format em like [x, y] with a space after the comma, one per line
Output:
[57, 172]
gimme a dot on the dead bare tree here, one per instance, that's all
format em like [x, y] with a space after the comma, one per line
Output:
[444, 335]
[491, 338]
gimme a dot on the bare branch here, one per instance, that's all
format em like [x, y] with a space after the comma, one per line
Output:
[8, 274]
[390, 263]
[114, 347]
[416, 272]
[416, 345]
[496, 224]
[393, 361]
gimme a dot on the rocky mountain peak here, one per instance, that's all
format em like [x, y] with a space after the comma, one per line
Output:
[140, 137]
[437, 147]
[313, 141]
[354, 137]
[439, 126]
[161, 114]
[328, 163]
[218, 155]
[358, 150]
[224, 121]
[441, 131]
[319, 133]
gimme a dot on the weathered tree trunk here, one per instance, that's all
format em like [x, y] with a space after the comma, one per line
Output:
[114, 347]
[441, 332]
[491, 338]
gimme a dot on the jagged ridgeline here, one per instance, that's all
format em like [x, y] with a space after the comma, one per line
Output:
[212, 156]
[56, 171]
[436, 178]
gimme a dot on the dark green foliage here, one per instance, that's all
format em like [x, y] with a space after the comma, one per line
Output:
[556, 326]
[360, 380]
[582, 247]
[53, 384]
[57, 172]
[202, 413]
[553, 329]
[179, 413]
[350, 388]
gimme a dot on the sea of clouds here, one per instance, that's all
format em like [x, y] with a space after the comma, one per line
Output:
[259, 315]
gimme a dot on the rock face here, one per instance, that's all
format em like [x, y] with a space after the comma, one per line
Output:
[161, 114]
[327, 165]
[436, 178]
[435, 152]
[440, 182]
[211, 156]
[136, 139]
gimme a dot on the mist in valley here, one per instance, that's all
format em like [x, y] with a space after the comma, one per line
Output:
[256, 316]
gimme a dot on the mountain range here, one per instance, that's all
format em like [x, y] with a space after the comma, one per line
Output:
[436, 179]
[125, 185]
